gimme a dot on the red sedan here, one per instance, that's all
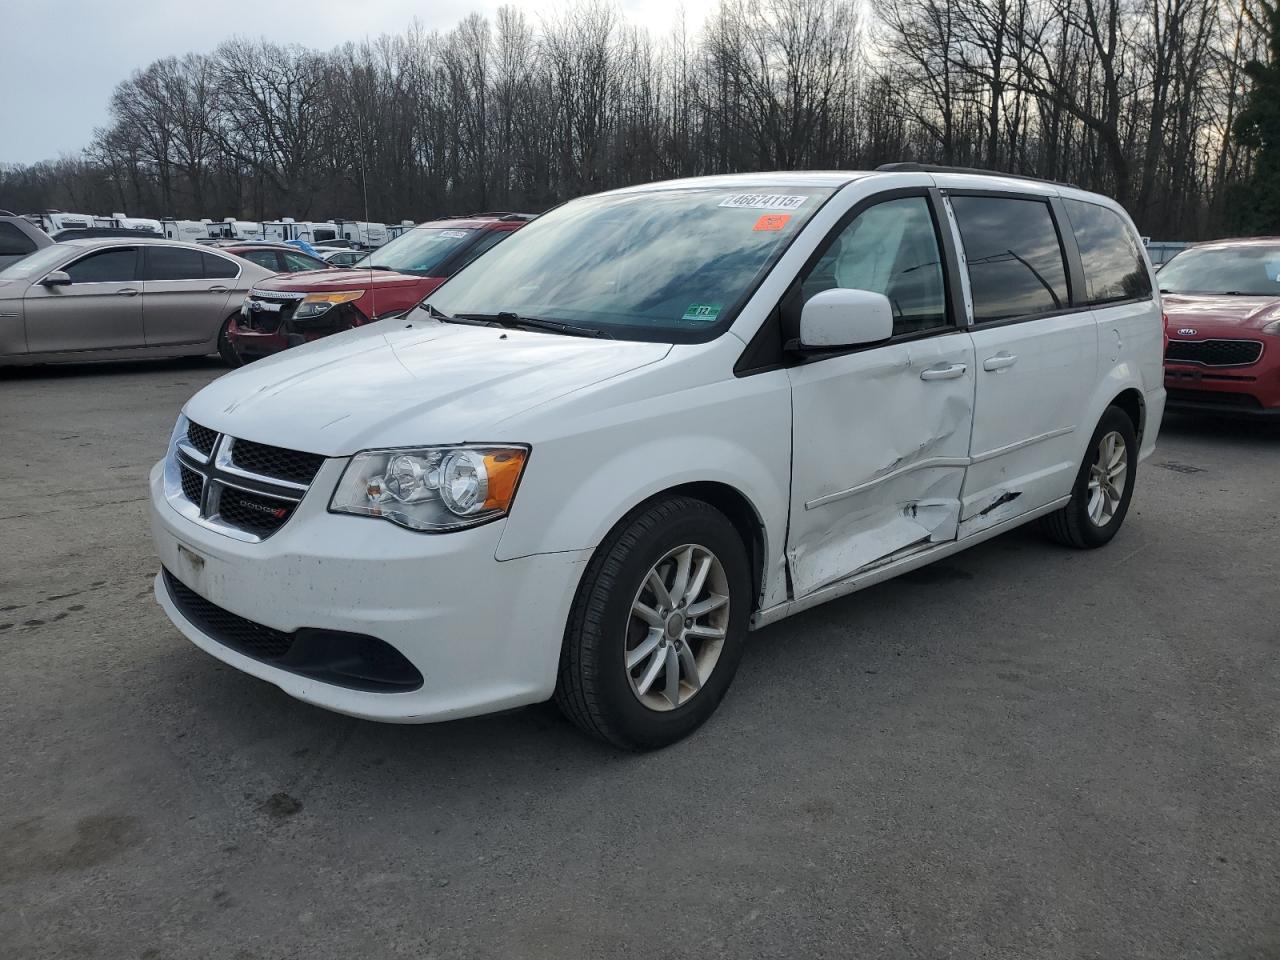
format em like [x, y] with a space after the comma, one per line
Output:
[1222, 321]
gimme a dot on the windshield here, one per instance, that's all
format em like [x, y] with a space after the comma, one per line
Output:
[1252, 270]
[420, 251]
[35, 264]
[666, 265]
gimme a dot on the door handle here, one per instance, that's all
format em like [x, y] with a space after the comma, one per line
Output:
[943, 373]
[127, 292]
[1000, 361]
[217, 289]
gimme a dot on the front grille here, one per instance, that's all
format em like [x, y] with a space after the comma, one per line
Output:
[1214, 353]
[1216, 397]
[240, 488]
[192, 484]
[245, 636]
[202, 438]
[275, 462]
[249, 511]
[353, 660]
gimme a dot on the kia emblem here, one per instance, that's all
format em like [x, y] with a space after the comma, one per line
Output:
[1187, 331]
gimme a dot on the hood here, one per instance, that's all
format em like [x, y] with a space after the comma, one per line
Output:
[1216, 312]
[311, 281]
[390, 384]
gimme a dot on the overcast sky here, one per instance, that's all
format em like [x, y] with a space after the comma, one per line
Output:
[61, 59]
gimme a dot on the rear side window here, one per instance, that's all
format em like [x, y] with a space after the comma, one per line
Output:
[1113, 265]
[173, 263]
[216, 267]
[13, 242]
[263, 258]
[1015, 262]
[109, 266]
[293, 262]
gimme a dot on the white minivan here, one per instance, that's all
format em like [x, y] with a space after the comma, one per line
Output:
[652, 420]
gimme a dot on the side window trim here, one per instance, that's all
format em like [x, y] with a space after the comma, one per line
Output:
[1077, 301]
[137, 264]
[218, 256]
[1144, 261]
[765, 350]
[862, 206]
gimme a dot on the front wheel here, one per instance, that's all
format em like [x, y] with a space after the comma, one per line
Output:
[657, 627]
[1103, 487]
[226, 350]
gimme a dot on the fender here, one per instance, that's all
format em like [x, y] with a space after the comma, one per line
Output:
[740, 437]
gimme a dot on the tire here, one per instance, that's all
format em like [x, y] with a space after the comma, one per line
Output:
[596, 689]
[1080, 524]
[225, 350]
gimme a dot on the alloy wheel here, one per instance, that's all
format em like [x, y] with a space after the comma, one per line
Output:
[1108, 475]
[676, 628]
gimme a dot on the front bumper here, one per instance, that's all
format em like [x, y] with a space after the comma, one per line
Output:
[485, 634]
[1249, 391]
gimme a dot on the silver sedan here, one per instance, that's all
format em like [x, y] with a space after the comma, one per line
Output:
[118, 298]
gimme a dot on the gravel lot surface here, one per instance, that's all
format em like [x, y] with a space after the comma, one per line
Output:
[1020, 752]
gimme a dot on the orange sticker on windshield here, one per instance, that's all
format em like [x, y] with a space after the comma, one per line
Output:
[772, 221]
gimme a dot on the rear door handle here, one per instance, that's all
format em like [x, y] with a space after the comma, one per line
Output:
[943, 373]
[127, 292]
[1000, 361]
[217, 289]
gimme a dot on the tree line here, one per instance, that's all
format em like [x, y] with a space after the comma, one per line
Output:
[1159, 103]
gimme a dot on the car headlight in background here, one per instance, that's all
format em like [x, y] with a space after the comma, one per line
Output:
[318, 304]
[432, 489]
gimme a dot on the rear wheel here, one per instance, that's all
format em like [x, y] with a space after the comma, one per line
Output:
[657, 628]
[225, 348]
[1103, 487]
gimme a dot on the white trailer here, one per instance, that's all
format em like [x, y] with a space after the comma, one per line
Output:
[190, 231]
[134, 223]
[235, 230]
[286, 229]
[54, 220]
[396, 229]
[362, 234]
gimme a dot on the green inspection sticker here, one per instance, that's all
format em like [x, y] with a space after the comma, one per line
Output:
[706, 312]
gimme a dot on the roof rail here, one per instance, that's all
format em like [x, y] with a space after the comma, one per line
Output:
[496, 214]
[911, 167]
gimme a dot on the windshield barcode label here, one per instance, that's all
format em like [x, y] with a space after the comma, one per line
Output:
[763, 201]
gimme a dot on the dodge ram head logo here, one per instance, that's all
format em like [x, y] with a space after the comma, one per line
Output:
[1186, 331]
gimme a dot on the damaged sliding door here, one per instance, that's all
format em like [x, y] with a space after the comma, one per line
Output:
[880, 434]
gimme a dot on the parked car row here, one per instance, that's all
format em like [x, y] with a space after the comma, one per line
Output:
[121, 297]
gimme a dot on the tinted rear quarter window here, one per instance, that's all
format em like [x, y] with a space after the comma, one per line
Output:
[216, 267]
[1014, 257]
[1113, 265]
[109, 266]
[173, 263]
[13, 242]
[263, 258]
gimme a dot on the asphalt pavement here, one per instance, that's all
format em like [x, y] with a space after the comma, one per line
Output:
[1020, 752]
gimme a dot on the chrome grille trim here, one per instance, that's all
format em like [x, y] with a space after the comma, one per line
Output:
[218, 474]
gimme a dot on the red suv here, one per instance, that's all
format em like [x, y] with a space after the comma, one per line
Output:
[296, 308]
[1222, 323]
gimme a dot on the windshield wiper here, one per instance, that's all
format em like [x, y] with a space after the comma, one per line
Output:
[371, 266]
[516, 321]
[466, 321]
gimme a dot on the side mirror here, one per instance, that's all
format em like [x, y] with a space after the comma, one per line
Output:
[58, 278]
[845, 318]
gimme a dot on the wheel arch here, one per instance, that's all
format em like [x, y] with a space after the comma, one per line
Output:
[1134, 404]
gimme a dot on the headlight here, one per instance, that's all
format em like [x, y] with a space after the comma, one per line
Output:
[1272, 328]
[317, 304]
[432, 489]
